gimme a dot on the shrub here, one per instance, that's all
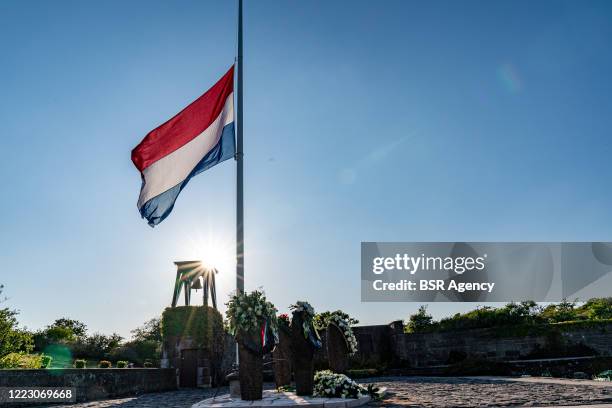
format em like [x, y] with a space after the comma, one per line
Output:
[122, 364]
[596, 309]
[97, 346]
[513, 314]
[60, 356]
[105, 364]
[148, 364]
[515, 319]
[46, 361]
[80, 363]
[419, 322]
[560, 312]
[137, 351]
[19, 360]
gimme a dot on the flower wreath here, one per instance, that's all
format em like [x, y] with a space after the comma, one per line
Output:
[345, 328]
[252, 312]
[333, 385]
[308, 327]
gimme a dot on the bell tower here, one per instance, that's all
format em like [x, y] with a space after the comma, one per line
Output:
[194, 275]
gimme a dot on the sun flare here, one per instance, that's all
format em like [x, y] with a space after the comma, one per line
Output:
[213, 252]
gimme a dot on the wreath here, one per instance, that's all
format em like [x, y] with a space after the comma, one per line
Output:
[308, 328]
[342, 323]
[252, 313]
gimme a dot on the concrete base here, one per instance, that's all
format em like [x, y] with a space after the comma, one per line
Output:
[275, 399]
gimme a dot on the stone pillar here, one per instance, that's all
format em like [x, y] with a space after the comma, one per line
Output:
[251, 366]
[282, 358]
[302, 353]
[337, 350]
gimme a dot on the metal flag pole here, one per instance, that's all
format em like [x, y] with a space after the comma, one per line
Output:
[239, 172]
[239, 168]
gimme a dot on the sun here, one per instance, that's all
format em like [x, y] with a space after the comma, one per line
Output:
[213, 252]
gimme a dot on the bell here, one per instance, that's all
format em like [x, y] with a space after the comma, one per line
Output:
[197, 284]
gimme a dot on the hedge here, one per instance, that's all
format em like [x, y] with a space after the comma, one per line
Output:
[20, 360]
[544, 329]
[203, 324]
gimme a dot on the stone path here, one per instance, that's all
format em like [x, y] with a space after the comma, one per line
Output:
[446, 392]
[428, 392]
[184, 398]
[273, 399]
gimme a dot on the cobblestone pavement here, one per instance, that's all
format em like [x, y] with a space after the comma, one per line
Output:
[449, 392]
[442, 392]
[184, 398]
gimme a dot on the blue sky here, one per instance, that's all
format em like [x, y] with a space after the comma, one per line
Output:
[364, 121]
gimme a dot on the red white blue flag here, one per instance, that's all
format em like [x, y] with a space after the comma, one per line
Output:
[197, 138]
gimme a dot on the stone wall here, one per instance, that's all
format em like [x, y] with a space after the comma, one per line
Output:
[387, 346]
[208, 371]
[229, 354]
[431, 349]
[193, 342]
[94, 383]
[375, 347]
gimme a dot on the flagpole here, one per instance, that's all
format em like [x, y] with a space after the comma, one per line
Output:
[239, 168]
[239, 179]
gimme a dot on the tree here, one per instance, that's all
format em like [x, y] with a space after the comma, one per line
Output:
[78, 329]
[145, 344]
[97, 345]
[597, 308]
[419, 322]
[59, 335]
[560, 312]
[61, 331]
[149, 331]
[13, 339]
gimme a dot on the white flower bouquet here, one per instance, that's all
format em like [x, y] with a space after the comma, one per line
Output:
[328, 384]
[248, 312]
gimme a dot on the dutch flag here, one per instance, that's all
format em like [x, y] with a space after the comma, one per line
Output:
[197, 138]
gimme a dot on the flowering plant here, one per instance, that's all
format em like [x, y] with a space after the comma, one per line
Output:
[284, 323]
[247, 312]
[342, 323]
[308, 315]
[328, 384]
[302, 306]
